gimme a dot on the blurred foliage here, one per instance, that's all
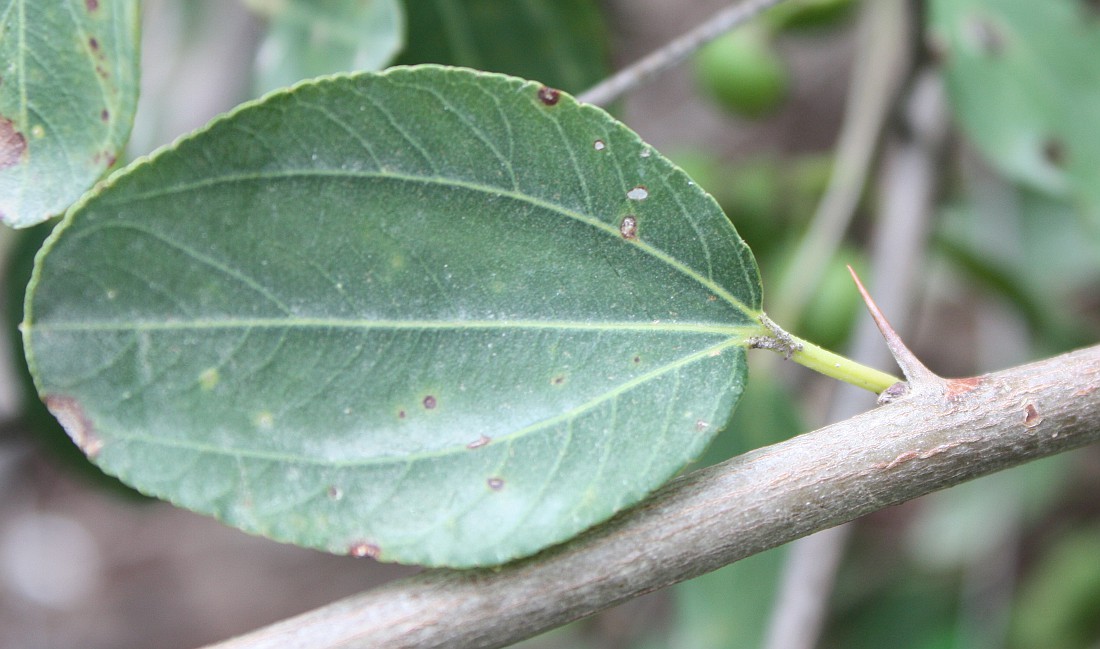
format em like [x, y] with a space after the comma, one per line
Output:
[309, 38]
[1024, 79]
[562, 43]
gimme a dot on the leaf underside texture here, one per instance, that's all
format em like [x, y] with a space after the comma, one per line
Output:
[431, 316]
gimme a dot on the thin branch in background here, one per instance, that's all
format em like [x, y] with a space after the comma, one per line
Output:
[909, 186]
[881, 65]
[673, 53]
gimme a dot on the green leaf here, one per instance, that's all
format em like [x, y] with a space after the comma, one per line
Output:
[67, 98]
[309, 38]
[562, 43]
[431, 315]
[1024, 80]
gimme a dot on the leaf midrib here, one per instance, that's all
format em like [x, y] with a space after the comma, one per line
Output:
[572, 413]
[734, 331]
[656, 253]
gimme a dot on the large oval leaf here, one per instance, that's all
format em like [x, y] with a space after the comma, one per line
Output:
[67, 99]
[430, 315]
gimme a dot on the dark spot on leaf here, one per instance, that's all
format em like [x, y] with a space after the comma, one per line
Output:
[1031, 416]
[637, 359]
[363, 550]
[72, 418]
[102, 72]
[549, 96]
[628, 227]
[558, 380]
[13, 144]
[429, 402]
[105, 115]
[92, 5]
[1054, 151]
[93, 43]
[496, 484]
[335, 493]
[986, 35]
[479, 442]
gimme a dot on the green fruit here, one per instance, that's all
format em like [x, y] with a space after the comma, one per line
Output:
[809, 14]
[743, 73]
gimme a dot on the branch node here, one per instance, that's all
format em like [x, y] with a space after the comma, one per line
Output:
[777, 341]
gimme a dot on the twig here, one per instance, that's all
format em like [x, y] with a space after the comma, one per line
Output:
[702, 521]
[674, 52]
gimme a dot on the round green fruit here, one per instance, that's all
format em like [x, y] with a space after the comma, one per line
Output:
[743, 73]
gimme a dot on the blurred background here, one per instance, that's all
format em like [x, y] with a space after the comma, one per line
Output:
[949, 150]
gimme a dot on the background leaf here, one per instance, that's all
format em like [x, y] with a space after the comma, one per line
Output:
[433, 316]
[67, 97]
[562, 43]
[307, 38]
[1024, 78]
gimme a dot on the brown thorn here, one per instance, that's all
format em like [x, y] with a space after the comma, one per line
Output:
[914, 370]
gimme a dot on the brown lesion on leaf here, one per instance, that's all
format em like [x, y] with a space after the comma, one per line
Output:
[549, 96]
[92, 5]
[75, 421]
[364, 550]
[13, 144]
[628, 227]
[479, 442]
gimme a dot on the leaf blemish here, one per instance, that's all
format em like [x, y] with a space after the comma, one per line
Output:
[639, 193]
[401, 414]
[209, 378]
[363, 550]
[549, 96]
[637, 359]
[92, 5]
[335, 493]
[72, 418]
[105, 115]
[93, 43]
[496, 484]
[429, 402]
[13, 144]
[599, 145]
[265, 420]
[558, 380]
[479, 442]
[701, 425]
[628, 227]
